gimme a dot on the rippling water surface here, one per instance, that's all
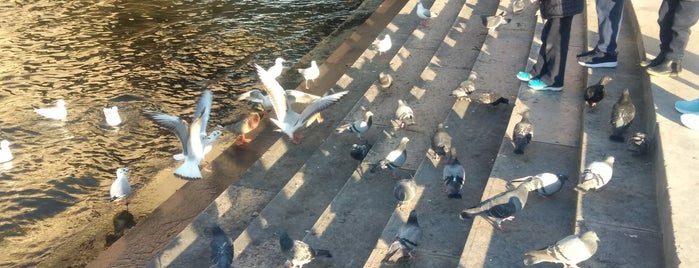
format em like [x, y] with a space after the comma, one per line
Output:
[135, 54]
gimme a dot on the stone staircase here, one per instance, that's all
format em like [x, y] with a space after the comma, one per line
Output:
[320, 195]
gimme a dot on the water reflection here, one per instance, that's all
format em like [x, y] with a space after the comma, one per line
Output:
[134, 54]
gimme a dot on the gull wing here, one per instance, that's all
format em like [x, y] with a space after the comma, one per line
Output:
[174, 124]
[275, 92]
[319, 105]
[203, 109]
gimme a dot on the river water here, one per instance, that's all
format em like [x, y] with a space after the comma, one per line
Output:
[135, 54]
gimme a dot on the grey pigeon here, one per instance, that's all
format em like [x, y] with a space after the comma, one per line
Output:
[546, 184]
[517, 6]
[492, 22]
[395, 159]
[404, 114]
[406, 239]
[385, 80]
[569, 251]
[441, 142]
[404, 191]
[359, 151]
[596, 175]
[298, 253]
[466, 87]
[595, 93]
[523, 133]
[358, 127]
[491, 98]
[221, 248]
[503, 206]
[639, 143]
[424, 13]
[454, 176]
[623, 114]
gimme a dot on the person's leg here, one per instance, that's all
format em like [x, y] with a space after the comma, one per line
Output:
[666, 15]
[550, 68]
[540, 65]
[686, 14]
[609, 16]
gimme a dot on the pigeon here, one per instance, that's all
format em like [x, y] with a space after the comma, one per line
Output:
[287, 120]
[503, 206]
[569, 251]
[623, 114]
[546, 184]
[454, 176]
[57, 112]
[404, 114]
[221, 248]
[358, 127]
[384, 45]
[385, 80]
[242, 124]
[492, 22]
[311, 73]
[120, 188]
[111, 116]
[406, 239]
[596, 175]
[277, 68]
[359, 151]
[492, 98]
[404, 191]
[5, 153]
[639, 144]
[424, 13]
[517, 6]
[298, 253]
[522, 133]
[466, 87]
[395, 159]
[292, 97]
[595, 93]
[441, 142]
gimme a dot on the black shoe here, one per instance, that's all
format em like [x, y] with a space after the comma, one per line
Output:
[598, 59]
[665, 68]
[654, 62]
[585, 54]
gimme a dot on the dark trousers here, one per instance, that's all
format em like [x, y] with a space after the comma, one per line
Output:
[551, 64]
[675, 19]
[609, 16]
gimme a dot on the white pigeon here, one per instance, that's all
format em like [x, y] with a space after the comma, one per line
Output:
[596, 175]
[288, 121]
[277, 68]
[120, 187]
[569, 251]
[208, 143]
[384, 44]
[111, 115]
[394, 160]
[310, 73]
[424, 13]
[57, 112]
[5, 153]
[546, 183]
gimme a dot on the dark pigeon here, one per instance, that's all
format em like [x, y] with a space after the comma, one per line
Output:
[454, 176]
[522, 133]
[406, 239]
[298, 253]
[221, 248]
[623, 114]
[595, 93]
[503, 206]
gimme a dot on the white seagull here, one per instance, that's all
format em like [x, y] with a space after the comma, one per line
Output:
[424, 13]
[120, 187]
[5, 153]
[57, 112]
[292, 97]
[310, 73]
[111, 115]
[288, 121]
[207, 141]
[277, 68]
[384, 44]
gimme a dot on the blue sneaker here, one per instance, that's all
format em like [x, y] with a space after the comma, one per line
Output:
[687, 107]
[537, 84]
[524, 76]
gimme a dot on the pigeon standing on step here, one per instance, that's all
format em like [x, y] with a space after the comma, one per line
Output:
[466, 87]
[596, 175]
[639, 144]
[569, 251]
[406, 239]
[404, 114]
[595, 93]
[394, 160]
[454, 176]
[221, 248]
[277, 68]
[359, 151]
[492, 98]
[517, 6]
[298, 253]
[385, 80]
[492, 22]
[384, 45]
[441, 142]
[424, 13]
[57, 112]
[523, 133]
[623, 114]
[358, 127]
[404, 191]
[546, 184]
[503, 206]
[120, 189]
[311, 73]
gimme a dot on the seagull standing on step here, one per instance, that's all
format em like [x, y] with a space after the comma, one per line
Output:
[311, 73]
[384, 45]
[503, 206]
[492, 22]
[441, 142]
[466, 87]
[111, 116]
[57, 112]
[569, 251]
[221, 248]
[546, 183]
[523, 133]
[596, 175]
[424, 13]
[623, 113]
[358, 127]
[404, 191]
[5, 153]
[287, 120]
[404, 114]
[454, 176]
[394, 160]
[298, 253]
[406, 239]
[120, 188]
[277, 68]
[595, 93]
